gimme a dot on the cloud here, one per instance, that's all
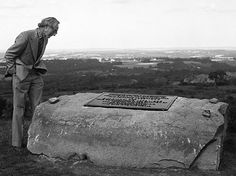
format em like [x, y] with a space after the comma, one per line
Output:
[125, 2]
[12, 6]
[19, 4]
[120, 1]
[202, 7]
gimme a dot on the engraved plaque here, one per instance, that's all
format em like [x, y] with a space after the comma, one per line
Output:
[133, 101]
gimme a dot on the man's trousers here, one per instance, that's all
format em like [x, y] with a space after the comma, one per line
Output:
[32, 86]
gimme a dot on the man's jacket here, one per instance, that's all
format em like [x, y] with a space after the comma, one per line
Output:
[21, 57]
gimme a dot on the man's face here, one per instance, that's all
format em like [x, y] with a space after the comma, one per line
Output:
[51, 30]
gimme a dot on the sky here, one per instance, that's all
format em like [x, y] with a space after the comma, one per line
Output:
[124, 24]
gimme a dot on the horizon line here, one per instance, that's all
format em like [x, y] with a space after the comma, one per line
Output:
[153, 49]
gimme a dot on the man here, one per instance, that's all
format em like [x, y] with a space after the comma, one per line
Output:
[23, 60]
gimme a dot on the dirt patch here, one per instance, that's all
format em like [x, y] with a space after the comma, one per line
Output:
[24, 163]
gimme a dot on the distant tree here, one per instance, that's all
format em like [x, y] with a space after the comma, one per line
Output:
[219, 76]
[145, 60]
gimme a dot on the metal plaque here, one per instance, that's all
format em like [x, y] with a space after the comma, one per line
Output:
[133, 101]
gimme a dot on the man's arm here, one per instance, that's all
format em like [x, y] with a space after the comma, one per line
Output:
[15, 51]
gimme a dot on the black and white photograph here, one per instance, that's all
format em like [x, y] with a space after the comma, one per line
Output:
[118, 88]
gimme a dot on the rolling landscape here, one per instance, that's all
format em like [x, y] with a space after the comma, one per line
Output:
[148, 71]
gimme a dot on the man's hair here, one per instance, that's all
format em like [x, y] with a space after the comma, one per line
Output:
[49, 21]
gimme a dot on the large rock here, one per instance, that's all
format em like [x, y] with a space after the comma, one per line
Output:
[187, 135]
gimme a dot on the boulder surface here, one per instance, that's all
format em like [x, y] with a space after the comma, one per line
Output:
[184, 136]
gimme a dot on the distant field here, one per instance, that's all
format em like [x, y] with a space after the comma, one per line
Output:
[231, 63]
[137, 65]
[197, 63]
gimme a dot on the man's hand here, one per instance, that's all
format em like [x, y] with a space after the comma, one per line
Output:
[7, 75]
[10, 71]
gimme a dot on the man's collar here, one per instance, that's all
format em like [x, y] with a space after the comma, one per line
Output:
[40, 33]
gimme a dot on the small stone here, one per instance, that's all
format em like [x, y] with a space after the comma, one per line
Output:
[214, 100]
[206, 113]
[53, 100]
